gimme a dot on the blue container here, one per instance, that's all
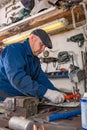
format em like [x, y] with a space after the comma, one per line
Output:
[84, 113]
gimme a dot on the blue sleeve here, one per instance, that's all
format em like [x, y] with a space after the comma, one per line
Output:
[42, 79]
[14, 64]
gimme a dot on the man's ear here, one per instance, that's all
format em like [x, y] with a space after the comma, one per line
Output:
[33, 37]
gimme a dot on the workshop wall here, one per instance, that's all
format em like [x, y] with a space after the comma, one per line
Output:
[60, 44]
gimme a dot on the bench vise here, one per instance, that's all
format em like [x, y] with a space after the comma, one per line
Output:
[20, 106]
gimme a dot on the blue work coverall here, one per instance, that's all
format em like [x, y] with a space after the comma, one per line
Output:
[21, 73]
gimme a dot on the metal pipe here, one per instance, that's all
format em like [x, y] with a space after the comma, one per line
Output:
[73, 17]
[20, 123]
[85, 10]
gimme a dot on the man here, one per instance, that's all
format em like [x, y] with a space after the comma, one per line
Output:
[20, 70]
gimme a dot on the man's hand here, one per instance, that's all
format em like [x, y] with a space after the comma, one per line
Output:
[54, 96]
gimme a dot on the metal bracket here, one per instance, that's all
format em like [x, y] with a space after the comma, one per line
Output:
[73, 16]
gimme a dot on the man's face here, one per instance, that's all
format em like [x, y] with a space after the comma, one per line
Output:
[37, 45]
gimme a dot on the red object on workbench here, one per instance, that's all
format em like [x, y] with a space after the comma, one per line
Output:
[71, 96]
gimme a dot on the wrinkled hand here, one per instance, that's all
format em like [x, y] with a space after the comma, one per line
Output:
[54, 96]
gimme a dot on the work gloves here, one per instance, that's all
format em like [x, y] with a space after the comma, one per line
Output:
[54, 96]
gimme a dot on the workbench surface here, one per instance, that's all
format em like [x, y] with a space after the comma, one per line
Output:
[75, 122]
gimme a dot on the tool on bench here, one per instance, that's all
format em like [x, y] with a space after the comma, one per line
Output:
[70, 104]
[20, 106]
[53, 108]
[65, 115]
[53, 125]
[72, 100]
[19, 123]
[72, 96]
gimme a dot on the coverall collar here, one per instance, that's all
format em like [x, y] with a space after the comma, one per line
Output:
[28, 48]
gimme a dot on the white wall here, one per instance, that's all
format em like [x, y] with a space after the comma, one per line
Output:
[60, 44]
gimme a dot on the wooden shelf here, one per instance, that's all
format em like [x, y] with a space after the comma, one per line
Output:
[41, 18]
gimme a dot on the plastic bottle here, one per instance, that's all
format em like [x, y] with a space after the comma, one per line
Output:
[84, 112]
